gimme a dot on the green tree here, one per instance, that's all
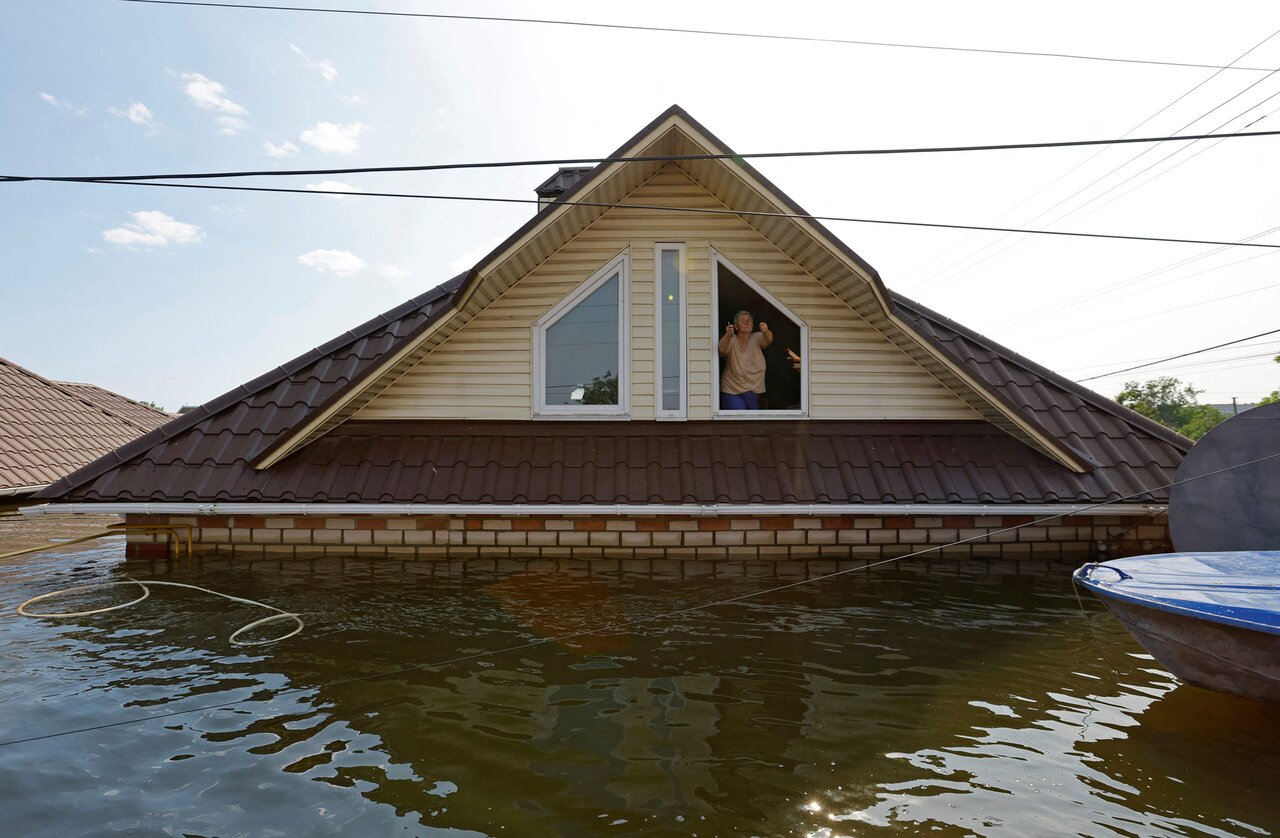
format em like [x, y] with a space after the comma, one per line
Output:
[603, 389]
[1173, 404]
[1274, 395]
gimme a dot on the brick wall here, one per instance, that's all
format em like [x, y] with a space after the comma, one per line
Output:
[1077, 537]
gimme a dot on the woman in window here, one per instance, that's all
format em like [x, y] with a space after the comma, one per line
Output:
[742, 380]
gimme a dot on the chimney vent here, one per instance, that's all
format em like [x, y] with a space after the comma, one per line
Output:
[559, 183]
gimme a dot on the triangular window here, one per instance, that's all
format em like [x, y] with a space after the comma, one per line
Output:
[583, 362]
[771, 375]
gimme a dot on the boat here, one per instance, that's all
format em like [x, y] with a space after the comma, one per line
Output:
[1212, 618]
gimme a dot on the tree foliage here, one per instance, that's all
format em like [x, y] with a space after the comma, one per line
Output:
[1173, 404]
[1274, 395]
[603, 389]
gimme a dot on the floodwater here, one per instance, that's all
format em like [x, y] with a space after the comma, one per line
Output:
[434, 699]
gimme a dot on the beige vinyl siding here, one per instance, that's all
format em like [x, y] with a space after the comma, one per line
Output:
[484, 370]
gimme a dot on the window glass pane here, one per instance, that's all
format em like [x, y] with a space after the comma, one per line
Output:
[671, 302]
[582, 350]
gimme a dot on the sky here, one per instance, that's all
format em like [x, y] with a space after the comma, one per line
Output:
[175, 296]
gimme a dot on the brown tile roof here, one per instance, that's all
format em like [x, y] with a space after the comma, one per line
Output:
[629, 462]
[242, 423]
[206, 455]
[127, 409]
[51, 428]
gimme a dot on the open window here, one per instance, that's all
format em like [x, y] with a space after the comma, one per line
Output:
[785, 390]
[581, 358]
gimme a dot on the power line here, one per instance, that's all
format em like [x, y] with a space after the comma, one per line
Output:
[1162, 312]
[1176, 357]
[695, 210]
[1255, 359]
[1116, 291]
[929, 280]
[1140, 360]
[653, 158]
[688, 31]
[623, 624]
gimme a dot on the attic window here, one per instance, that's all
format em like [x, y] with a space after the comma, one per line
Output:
[581, 366]
[786, 391]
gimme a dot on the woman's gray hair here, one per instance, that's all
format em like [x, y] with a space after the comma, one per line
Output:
[741, 312]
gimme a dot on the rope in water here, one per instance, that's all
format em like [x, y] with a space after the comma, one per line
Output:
[146, 592]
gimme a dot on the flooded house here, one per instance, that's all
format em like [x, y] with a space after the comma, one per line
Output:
[563, 399]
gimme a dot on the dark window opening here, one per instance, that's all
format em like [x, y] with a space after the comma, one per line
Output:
[783, 358]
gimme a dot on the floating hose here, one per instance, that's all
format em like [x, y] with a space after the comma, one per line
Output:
[146, 592]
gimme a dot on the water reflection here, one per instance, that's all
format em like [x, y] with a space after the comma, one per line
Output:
[902, 700]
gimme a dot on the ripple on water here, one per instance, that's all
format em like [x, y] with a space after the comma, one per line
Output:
[890, 701]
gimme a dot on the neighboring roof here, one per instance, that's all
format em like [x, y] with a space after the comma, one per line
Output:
[50, 428]
[127, 409]
[209, 457]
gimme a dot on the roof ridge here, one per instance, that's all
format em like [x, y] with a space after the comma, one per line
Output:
[107, 408]
[1089, 396]
[187, 421]
[61, 387]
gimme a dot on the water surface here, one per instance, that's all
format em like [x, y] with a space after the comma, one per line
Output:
[915, 699]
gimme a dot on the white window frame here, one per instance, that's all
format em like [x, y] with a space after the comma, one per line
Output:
[683, 411]
[620, 264]
[717, 331]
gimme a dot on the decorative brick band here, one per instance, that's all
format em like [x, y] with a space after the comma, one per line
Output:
[1075, 537]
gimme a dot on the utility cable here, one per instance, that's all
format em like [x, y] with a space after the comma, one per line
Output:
[688, 31]
[1175, 357]
[623, 624]
[695, 210]
[1268, 355]
[1168, 157]
[1116, 291]
[1198, 304]
[650, 158]
[1140, 360]
[1089, 160]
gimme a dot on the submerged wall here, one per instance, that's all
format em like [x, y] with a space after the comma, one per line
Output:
[1074, 537]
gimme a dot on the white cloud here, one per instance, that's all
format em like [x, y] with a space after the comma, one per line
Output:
[392, 271]
[231, 125]
[323, 66]
[331, 186]
[340, 262]
[468, 259]
[334, 138]
[78, 110]
[353, 99]
[152, 229]
[285, 149]
[210, 95]
[138, 114]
